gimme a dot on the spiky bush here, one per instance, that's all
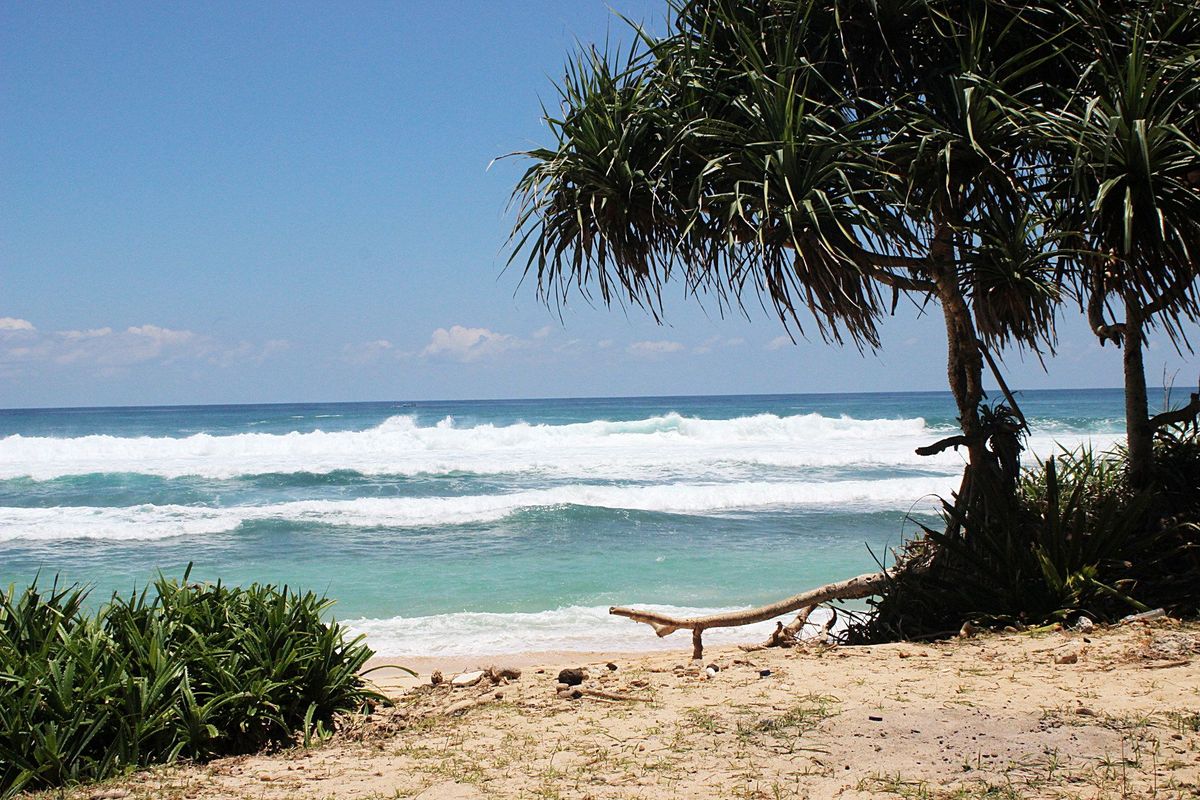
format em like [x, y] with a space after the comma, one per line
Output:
[186, 671]
[1077, 541]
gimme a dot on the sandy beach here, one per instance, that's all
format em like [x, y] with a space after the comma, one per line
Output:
[1064, 714]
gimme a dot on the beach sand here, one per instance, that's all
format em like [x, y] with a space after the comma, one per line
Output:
[1107, 714]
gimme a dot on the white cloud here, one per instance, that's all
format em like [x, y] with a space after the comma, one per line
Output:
[543, 332]
[604, 344]
[14, 324]
[459, 343]
[780, 342]
[653, 348]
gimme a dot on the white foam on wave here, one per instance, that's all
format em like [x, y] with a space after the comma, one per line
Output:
[399, 446]
[574, 629]
[162, 521]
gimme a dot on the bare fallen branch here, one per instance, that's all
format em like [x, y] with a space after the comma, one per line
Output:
[576, 692]
[664, 624]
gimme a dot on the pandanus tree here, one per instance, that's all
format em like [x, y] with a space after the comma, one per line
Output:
[825, 158]
[1129, 139]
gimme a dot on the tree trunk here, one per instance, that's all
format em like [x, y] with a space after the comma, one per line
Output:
[1139, 433]
[964, 368]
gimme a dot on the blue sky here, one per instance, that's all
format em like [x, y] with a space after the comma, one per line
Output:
[230, 202]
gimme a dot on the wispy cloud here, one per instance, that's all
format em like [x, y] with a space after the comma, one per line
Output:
[107, 350]
[714, 342]
[369, 352]
[654, 347]
[779, 342]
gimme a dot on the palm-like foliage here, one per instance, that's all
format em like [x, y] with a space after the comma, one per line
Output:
[1129, 135]
[820, 156]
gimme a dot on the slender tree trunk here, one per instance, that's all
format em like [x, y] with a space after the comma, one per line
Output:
[1139, 433]
[985, 491]
[964, 361]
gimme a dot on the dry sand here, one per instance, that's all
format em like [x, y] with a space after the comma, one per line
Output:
[1109, 714]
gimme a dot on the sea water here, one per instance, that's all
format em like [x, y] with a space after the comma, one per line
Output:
[455, 528]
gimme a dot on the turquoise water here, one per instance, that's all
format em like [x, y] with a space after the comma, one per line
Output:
[493, 525]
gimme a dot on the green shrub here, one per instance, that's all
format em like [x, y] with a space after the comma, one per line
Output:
[186, 671]
[1077, 541]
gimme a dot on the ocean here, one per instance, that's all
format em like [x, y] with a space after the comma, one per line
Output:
[482, 527]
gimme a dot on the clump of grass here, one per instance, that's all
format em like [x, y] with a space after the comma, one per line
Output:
[1074, 540]
[183, 671]
[808, 712]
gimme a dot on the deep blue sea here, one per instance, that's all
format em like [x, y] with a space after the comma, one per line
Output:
[449, 528]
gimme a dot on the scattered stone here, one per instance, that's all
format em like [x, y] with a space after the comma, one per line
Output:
[875, 719]
[1084, 711]
[467, 679]
[711, 670]
[714, 667]
[110, 794]
[436, 678]
[904, 654]
[641, 683]
[764, 673]
[1084, 624]
[570, 693]
[1067, 658]
[967, 630]
[572, 676]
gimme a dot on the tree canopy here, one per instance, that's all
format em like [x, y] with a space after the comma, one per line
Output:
[827, 157]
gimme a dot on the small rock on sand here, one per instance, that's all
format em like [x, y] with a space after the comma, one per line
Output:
[467, 679]
[572, 676]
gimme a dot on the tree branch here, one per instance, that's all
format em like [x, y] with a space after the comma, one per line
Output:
[1105, 331]
[1186, 414]
[945, 444]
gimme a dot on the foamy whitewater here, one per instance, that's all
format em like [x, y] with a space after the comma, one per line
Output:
[501, 526]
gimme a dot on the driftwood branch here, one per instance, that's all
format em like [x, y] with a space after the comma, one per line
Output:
[1186, 414]
[664, 624]
[788, 635]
